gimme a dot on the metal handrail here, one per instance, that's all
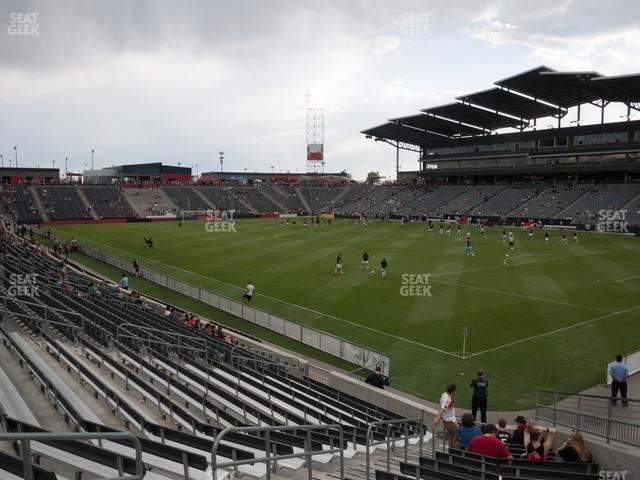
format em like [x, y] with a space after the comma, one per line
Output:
[25, 440]
[269, 457]
[46, 308]
[150, 275]
[569, 394]
[388, 439]
[149, 341]
[293, 360]
[581, 417]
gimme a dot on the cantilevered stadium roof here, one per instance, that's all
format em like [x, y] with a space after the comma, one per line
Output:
[438, 126]
[565, 89]
[620, 88]
[536, 93]
[510, 103]
[460, 112]
[397, 133]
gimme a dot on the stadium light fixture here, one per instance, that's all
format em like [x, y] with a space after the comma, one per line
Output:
[15, 150]
[92, 152]
[2, 159]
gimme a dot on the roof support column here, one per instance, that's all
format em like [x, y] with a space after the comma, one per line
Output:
[397, 161]
[578, 120]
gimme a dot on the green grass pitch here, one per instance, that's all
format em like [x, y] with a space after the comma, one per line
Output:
[545, 317]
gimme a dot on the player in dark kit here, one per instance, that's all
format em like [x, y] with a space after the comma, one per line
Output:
[365, 260]
[338, 269]
[383, 267]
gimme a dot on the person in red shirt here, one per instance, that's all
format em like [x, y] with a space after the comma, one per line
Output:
[488, 444]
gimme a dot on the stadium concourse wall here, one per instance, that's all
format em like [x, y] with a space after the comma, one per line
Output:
[344, 349]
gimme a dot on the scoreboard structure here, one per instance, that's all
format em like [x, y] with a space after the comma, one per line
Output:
[315, 140]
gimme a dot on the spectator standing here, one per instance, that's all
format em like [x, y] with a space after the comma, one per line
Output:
[467, 431]
[488, 444]
[447, 413]
[619, 373]
[479, 397]
[377, 379]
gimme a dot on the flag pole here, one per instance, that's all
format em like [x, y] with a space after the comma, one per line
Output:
[465, 333]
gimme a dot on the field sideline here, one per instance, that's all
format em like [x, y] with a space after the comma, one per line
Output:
[546, 317]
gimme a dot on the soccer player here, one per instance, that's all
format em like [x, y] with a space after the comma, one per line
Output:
[180, 224]
[504, 236]
[546, 238]
[430, 227]
[564, 237]
[383, 267]
[482, 234]
[449, 230]
[511, 240]
[248, 293]
[365, 260]
[468, 236]
[575, 237]
[136, 268]
[468, 248]
[338, 265]
[459, 232]
[441, 229]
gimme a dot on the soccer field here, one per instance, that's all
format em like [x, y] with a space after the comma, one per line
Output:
[544, 317]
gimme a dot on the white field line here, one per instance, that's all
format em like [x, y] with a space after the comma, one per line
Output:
[429, 347]
[626, 279]
[380, 332]
[518, 295]
[535, 262]
[553, 332]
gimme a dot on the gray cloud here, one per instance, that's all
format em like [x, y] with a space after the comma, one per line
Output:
[179, 81]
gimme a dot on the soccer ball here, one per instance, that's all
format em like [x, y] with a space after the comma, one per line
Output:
[507, 255]
[372, 272]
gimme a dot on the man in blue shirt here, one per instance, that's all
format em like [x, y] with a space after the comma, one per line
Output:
[124, 282]
[619, 373]
[467, 431]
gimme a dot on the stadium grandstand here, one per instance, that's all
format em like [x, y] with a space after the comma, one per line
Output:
[125, 378]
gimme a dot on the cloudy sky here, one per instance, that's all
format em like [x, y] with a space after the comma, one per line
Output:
[142, 80]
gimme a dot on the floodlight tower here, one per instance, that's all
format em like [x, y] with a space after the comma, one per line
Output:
[315, 138]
